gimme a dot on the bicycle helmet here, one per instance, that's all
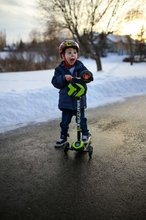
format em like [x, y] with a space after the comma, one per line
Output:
[68, 44]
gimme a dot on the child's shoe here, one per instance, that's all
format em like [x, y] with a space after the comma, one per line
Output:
[60, 143]
[85, 138]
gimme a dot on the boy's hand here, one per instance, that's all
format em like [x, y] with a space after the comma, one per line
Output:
[68, 77]
[86, 76]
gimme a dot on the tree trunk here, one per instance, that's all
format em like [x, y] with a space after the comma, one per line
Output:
[87, 49]
[98, 62]
[131, 50]
[131, 60]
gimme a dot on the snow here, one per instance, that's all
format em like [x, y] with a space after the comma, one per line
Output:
[29, 97]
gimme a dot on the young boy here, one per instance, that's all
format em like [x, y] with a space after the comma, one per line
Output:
[70, 67]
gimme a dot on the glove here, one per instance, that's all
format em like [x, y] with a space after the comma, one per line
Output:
[86, 76]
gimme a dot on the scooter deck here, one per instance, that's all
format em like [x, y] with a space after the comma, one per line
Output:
[86, 148]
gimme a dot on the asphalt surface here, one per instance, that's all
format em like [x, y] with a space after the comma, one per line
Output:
[38, 182]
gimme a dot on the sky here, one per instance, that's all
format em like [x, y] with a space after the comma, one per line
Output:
[18, 18]
[29, 97]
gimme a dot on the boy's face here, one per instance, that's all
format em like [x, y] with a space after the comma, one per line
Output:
[71, 55]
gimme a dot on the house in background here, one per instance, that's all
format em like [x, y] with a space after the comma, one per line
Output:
[119, 44]
[125, 45]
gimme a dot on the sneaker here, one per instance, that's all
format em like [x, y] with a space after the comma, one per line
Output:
[60, 142]
[85, 138]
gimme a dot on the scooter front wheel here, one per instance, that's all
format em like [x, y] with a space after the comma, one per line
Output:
[90, 151]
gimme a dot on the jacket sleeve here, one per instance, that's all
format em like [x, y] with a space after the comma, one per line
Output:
[82, 70]
[91, 76]
[58, 79]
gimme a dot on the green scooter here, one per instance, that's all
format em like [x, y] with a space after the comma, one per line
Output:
[78, 88]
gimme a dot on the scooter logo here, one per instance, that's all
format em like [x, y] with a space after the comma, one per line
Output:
[76, 90]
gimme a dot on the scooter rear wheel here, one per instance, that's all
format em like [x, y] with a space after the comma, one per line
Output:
[66, 148]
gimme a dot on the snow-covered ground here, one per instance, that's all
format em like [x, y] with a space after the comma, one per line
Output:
[29, 97]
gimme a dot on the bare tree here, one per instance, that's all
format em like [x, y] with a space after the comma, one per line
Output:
[84, 19]
[134, 14]
[138, 47]
[35, 35]
[2, 40]
[141, 49]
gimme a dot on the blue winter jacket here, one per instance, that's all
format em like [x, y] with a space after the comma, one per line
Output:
[59, 82]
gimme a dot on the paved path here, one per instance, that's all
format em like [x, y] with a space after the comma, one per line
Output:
[37, 182]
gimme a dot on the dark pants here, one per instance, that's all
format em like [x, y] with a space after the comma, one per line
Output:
[66, 119]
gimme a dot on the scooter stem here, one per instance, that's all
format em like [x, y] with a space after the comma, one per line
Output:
[79, 119]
